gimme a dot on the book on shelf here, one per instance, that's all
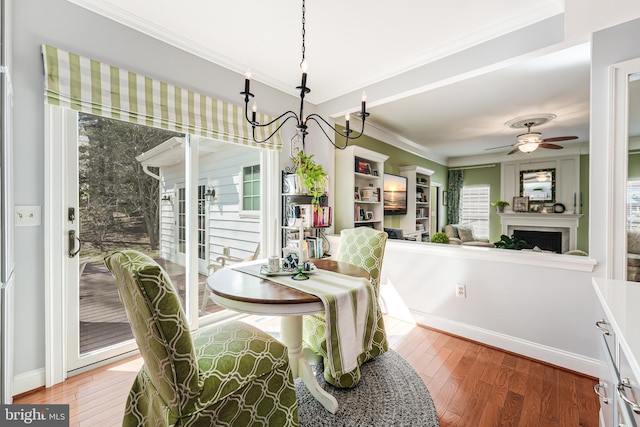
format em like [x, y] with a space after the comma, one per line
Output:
[314, 246]
[322, 216]
[422, 212]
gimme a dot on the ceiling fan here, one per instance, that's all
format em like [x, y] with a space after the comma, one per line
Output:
[530, 141]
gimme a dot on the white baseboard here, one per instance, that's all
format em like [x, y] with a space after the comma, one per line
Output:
[554, 356]
[28, 381]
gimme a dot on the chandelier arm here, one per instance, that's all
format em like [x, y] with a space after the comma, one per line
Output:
[344, 135]
[258, 124]
[313, 117]
[272, 133]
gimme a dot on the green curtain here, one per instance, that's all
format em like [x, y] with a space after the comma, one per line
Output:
[454, 193]
[86, 85]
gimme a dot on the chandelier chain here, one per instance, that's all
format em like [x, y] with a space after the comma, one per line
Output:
[304, 9]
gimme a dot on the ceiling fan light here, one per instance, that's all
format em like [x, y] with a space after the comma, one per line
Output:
[528, 147]
[529, 137]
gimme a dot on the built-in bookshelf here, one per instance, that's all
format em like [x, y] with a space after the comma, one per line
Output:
[359, 197]
[418, 217]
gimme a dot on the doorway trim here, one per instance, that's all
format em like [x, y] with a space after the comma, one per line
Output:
[54, 227]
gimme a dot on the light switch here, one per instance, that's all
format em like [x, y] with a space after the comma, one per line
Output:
[28, 216]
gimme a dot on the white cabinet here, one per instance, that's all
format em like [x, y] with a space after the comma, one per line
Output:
[417, 221]
[358, 188]
[618, 388]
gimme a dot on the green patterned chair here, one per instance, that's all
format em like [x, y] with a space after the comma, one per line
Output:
[229, 375]
[363, 247]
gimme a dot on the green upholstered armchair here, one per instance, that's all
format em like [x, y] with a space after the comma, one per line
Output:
[228, 375]
[362, 247]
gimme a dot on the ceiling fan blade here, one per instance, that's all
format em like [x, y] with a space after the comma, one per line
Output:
[502, 146]
[559, 138]
[552, 146]
[515, 150]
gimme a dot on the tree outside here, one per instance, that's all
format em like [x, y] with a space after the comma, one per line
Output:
[119, 202]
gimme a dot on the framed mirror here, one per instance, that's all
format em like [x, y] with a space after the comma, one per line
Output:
[539, 185]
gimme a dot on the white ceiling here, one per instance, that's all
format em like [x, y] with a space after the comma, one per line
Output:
[351, 45]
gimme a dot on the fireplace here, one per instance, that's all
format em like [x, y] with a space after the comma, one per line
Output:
[545, 240]
[540, 227]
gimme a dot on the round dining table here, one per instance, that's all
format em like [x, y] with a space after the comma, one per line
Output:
[247, 293]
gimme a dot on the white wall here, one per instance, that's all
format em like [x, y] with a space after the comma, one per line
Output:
[538, 305]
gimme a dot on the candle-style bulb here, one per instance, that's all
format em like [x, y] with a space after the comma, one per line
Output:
[346, 118]
[247, 84]
[254, 109]
[364, 96]
[304, 66]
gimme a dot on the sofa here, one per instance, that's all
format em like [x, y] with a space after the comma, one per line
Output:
[463, 236]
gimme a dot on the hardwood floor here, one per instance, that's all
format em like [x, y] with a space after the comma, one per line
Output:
[471, 384]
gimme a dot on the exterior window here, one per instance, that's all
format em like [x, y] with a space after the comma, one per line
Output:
[633, 205]
[475, 208]
[182, 218]
[202, 224]
[182, 221]
[251, 188]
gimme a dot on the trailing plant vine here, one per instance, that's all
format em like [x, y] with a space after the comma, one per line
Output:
[312, 175]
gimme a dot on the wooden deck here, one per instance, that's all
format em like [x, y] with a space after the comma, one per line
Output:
[103, 320]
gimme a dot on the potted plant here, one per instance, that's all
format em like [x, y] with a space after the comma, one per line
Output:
[440, 237]
[511, 242]
[500, 204]
[311, 175]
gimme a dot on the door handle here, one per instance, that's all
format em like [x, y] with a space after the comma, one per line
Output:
[72, 243]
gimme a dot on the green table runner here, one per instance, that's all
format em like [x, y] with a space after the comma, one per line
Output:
[349, 304]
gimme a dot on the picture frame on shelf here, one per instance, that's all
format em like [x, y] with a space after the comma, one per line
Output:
[535, 208]
[521, 204]
[364, 168]
[374, 172]
[356, 196]
[368, 215]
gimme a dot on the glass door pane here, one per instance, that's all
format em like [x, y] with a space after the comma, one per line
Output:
[119, 204]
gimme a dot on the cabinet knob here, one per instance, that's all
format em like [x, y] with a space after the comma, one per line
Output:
[626, 383]
[599, 324]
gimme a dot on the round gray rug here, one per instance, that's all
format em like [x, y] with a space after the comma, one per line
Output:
[390, 393]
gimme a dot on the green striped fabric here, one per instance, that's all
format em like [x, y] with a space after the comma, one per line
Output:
[82, 84]
[350, 306]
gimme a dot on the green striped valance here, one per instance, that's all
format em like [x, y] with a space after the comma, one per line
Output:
[82, 84]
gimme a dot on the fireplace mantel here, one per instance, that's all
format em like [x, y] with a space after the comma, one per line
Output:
[543, 222]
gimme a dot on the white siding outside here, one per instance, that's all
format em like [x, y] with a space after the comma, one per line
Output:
[227, 227]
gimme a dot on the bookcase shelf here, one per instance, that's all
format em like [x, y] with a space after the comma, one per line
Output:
[417, 221]
[359, 170]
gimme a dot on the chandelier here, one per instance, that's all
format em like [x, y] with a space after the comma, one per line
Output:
[300, 118]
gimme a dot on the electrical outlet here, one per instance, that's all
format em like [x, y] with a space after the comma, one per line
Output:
[461, 290]
[28, 216]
